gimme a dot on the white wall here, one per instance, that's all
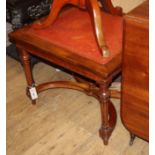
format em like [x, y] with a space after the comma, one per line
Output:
[127, 5]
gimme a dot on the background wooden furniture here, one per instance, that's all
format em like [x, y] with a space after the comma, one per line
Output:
[76, 41]
[19, 13]
[135, 104]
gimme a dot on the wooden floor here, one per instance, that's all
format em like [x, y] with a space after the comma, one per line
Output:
[64, 122]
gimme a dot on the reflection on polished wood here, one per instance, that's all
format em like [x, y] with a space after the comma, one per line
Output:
[98, 58]
[135, 80]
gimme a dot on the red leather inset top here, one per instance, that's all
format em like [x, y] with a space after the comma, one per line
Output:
[73, 30]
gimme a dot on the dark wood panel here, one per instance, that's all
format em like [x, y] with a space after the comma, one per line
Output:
[135, 106]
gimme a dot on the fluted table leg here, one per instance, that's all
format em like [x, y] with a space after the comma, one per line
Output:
[25, 57]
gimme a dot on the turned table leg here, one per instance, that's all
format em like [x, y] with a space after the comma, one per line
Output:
[25, 57]
[108, 112]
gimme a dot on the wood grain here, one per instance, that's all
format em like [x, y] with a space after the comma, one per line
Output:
[54, 128]
[101, 74]
[135, 83]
